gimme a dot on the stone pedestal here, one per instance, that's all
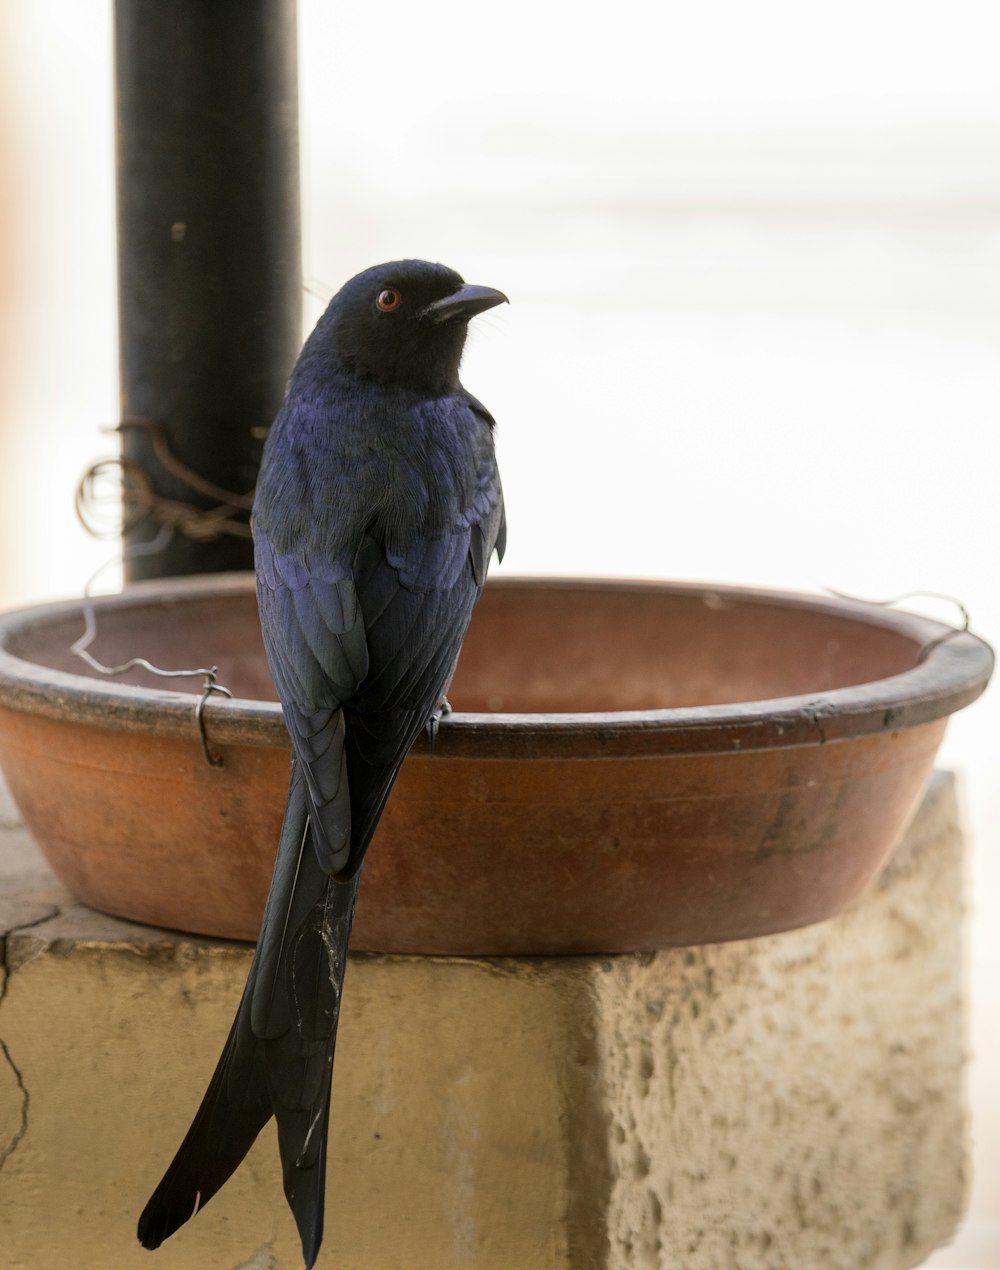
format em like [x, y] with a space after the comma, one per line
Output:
[790, 1102]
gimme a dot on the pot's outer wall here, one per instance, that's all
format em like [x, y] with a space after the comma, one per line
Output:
[543, 857]
[500, 857]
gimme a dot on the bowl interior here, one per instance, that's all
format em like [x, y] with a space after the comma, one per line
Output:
[534, 647]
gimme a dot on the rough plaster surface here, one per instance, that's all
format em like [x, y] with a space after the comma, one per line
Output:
[795, 1101]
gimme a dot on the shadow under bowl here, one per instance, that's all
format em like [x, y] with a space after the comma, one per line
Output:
[630, 765]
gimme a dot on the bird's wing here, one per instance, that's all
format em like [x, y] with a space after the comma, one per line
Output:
[318, 653]
[416, 602]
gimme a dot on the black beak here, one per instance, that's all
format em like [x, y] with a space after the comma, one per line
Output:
[465, 303]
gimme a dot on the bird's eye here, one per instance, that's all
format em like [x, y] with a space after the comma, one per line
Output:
[389, 299]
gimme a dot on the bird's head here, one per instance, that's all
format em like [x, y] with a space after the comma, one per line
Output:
[405, 323]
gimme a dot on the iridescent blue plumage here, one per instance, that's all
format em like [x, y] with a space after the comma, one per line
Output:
[377, 510]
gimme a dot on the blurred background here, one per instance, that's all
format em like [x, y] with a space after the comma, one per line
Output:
[753, 253]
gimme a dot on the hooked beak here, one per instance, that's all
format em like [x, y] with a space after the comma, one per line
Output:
[466, 302]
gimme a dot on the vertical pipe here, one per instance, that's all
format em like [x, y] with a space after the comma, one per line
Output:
[209, 285]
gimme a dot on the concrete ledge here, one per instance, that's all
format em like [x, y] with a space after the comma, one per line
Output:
[791, 1102]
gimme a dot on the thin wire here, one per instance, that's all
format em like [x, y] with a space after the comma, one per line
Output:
[81, 646]
[916, 595]
[185, 474]
[140, 501]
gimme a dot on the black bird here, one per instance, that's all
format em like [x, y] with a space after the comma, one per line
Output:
[377, 510]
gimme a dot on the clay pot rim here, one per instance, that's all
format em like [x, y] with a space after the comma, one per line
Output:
[953, 671]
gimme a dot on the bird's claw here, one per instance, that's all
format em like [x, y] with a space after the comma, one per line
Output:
[434, 722]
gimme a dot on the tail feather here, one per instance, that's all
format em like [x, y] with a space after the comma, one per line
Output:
[302, 1141]
[278, 1058]
[221, 1134]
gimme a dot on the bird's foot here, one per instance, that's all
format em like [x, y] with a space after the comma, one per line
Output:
[434, 722]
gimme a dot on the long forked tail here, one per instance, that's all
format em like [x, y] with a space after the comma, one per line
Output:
[278, 1058]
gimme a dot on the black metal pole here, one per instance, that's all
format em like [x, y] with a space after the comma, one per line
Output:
[208, 253]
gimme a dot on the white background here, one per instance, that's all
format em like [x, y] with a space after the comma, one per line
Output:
[753, 253]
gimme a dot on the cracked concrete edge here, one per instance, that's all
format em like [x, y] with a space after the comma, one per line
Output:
[8, 1150]
[8, 937]
[6, 970]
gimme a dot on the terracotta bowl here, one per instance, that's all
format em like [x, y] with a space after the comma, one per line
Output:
[630, 765]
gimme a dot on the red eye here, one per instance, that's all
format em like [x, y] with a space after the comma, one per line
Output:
[389, 299]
